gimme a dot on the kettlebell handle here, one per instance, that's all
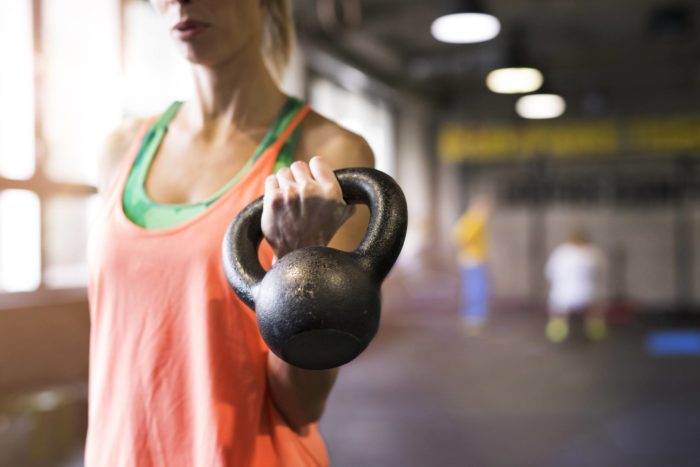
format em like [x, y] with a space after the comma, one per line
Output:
[376, 253]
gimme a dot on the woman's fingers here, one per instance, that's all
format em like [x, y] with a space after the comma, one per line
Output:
[301, 172]
[303, 206]
[306, 185]
[273, 200]
[271, 184]
[321, 170]
[324, 175]
[286, 182]
[303, 185]
[288, 188]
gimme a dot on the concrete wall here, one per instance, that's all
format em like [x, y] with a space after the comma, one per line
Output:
[695, 216]
[639, 240]
[415, 174]
[509, 263]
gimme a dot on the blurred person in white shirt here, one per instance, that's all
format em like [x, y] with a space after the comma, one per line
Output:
[575, 271]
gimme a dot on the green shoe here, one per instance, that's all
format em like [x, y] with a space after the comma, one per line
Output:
[595, 329]
[557, 330]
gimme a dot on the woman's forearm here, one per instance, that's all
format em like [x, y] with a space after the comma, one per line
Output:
[300, 395]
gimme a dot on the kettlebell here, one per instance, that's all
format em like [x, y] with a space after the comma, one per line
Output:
[319, 307]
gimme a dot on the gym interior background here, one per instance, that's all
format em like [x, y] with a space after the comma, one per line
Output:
[622, 161]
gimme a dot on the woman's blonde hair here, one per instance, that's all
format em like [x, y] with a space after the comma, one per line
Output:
[278, 36]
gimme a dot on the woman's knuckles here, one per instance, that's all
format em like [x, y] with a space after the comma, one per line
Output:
[307, 189]
[331, 191]
[291, 195]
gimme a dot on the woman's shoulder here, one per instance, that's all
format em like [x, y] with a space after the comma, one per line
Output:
[321, 136]
[114, 149]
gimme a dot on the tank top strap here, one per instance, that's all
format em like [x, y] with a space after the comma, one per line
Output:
[152, 136]
[286, 142]
[162, 122]
[294, 118]
[142, 139]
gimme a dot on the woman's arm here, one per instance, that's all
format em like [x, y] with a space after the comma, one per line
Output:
[306, 201]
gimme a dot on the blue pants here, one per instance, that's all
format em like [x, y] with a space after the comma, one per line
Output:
[475, 293]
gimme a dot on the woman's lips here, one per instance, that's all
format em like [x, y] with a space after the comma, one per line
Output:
[189, 28]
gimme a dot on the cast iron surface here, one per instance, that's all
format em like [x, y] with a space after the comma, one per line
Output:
[319, 307]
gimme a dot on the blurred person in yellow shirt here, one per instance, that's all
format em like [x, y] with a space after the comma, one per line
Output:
[470, 235]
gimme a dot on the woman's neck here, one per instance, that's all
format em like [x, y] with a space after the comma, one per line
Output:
[239, 94]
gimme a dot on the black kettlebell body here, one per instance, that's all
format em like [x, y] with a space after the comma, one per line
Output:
[317, 304]
[319, 307]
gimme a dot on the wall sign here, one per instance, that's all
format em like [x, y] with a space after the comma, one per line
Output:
[462, 142]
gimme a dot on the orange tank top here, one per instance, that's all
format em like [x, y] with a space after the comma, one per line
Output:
[177, 366]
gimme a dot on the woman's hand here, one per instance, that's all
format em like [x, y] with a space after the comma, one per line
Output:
[303, 206]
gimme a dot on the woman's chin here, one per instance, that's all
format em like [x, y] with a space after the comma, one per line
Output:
[198, 55]
[208, 52]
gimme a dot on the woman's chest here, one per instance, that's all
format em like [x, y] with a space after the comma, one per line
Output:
[183, 171]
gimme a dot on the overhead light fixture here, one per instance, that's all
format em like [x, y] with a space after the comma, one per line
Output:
[514, 80]
[540, 106]
[465, 22]
[516, 76]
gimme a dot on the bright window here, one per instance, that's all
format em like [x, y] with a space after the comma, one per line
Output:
[80, 99]
[16, 90]
[20, 245]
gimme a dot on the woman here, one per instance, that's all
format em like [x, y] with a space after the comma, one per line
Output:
[179, 375]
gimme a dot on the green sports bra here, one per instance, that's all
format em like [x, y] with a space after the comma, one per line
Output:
[145, 212]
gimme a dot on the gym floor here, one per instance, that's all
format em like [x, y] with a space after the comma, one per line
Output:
[427, 394]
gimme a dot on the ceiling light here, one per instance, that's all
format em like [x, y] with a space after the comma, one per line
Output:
[540, 106]
[465, 22]
[519, 80]
[516, 75]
